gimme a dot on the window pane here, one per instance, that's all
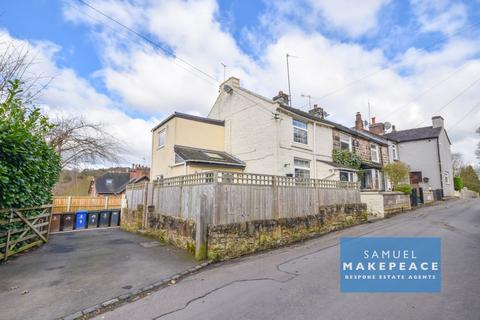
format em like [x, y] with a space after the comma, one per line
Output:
[343, 176]
[161, 138]
[300, 135]
[178, 159]
[299, 124]
[301, 163]
[302, 173]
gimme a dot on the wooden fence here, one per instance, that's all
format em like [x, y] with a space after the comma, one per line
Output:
[239, 197]
[74, 203]
[22, 229]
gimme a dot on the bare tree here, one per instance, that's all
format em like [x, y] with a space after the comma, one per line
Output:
[79, 141]
[16, 61]
[457, 163]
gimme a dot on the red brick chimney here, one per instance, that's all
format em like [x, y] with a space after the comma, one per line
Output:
[377, 128]
[139, 171]
[358, 121]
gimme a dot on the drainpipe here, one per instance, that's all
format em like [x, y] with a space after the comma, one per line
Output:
[314, 151]
[440, 165]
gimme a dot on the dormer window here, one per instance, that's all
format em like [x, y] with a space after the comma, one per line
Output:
[108, 181]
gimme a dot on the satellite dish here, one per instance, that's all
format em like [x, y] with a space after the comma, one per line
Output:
[365, 123]
[387, 125]
[227, 88]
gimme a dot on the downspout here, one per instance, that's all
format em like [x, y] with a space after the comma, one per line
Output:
[440, 165]
[314, 151]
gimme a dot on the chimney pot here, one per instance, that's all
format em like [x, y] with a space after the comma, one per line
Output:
[373, 120]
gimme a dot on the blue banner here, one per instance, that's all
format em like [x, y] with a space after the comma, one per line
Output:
[390, 264]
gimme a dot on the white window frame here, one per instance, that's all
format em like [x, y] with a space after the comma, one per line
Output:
[297, 166]
[447, 177]
[296, 126]
[394, 152]
[374, 150]
[346, 139]
[162, 133]
[350, 177]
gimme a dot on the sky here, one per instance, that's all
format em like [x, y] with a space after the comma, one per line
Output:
[408, 60]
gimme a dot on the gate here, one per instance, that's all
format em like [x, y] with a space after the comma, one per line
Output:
[22, 229]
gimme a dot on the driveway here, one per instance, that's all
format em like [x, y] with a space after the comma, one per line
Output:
[77, 270]
[302, 281]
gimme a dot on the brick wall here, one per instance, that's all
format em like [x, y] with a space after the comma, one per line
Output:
[236, 239]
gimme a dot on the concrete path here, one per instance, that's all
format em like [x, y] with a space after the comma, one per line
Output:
[77, 270]
[302, 281]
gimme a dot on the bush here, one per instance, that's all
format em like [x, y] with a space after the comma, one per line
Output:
[396, 172]
[458, 183]
[29, 167]
[405, 188]
[346, 158]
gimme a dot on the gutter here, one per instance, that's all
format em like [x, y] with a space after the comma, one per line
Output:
[440, 164]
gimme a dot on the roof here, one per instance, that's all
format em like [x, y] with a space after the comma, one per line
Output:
[337, 165]
[111, 182]
[364, 134]
[190, 117]
[196, 155]
[415, 134]
[138, 179]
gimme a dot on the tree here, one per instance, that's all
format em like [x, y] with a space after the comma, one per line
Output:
[29, 167]
[457, 163]
[397, 172]
[458, 183]
[78, 141]
[15, 64]
[470, 178]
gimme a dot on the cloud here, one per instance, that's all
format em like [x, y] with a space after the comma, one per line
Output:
[348, 16]
[440, 15]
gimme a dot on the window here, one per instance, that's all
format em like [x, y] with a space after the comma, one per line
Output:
[213, 155]
[394, 152]
[178, 159]
[161, 138]
[374, 152]
[300, 133]
[372, 180]
[108, 181]
[346, 176]
[345, 143]
[302, 168]
[447, 177]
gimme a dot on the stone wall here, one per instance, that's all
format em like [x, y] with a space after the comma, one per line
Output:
[236, 239]
[361, 147]
[394, 202]
[384, 204]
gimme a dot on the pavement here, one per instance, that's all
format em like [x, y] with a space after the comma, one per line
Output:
[77, 270]
[302, 281]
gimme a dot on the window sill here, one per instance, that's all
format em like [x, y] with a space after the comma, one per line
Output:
[301, 146]
[161, 147]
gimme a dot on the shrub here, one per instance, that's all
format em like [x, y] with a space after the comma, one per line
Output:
[405, 188]
[29, 167]
[346, 158]
[396, 172]
[458, 183]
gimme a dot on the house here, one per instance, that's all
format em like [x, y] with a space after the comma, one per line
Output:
[184, 144]
[271, 137]
[427, 151]
[114, 183]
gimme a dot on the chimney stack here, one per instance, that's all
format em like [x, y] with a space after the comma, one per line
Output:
[318, 111]
[282, 98]
[358, 121]
[377, 128]
[437, 122]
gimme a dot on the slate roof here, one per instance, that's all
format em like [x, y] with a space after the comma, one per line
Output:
[118, 182]
[196, 155]
[364, 134]
[414, 134]
[189, 117]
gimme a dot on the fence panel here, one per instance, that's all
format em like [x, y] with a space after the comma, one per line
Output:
[74, 203]
[239, 197]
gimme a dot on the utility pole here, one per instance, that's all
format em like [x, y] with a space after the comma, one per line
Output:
[369, 115]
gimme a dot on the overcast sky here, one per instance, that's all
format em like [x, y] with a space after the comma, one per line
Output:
[410, 60]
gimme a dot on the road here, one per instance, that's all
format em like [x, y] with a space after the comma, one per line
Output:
[302, 281]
